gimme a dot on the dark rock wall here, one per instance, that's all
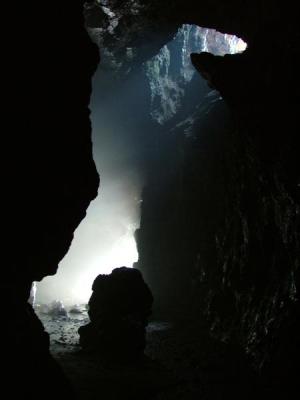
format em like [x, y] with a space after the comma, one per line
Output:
[220, 218]
[254, 292]
[49, 173]
[219, 235]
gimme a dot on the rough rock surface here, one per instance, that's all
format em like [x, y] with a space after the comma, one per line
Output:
[219, 233]
[226, 243]
[119, 308]
[49, 173]
[229, 236]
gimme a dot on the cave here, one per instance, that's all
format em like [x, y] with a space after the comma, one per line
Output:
[188, 113]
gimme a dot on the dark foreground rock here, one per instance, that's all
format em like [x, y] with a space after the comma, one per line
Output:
[49, 176]
[182, 363]
[118, 309]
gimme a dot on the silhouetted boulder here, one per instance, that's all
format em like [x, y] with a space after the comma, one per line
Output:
[118, 309]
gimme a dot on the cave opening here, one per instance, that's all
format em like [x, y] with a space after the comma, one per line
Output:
[131, 100]
[141, 104]
[212, 187]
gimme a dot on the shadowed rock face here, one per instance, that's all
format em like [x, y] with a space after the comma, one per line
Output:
[250, 286]
[229, 236]
[49, 173]
[119, 308]
[219, 232]
[239, 212]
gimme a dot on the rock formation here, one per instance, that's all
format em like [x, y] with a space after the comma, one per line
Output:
[118, 309]
[49, 173]
[219, 235]
[227, 247]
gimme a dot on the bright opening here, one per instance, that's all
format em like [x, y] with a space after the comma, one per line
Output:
[126, 113]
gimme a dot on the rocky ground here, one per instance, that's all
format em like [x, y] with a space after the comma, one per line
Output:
[181, 362]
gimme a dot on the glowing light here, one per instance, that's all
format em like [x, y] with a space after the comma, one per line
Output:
[241, 46]
[236, 44]
[76, 288]
[105, 238]
[169, 75]
[123, 253]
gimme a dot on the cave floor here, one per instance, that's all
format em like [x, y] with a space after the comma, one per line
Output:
[181, 362]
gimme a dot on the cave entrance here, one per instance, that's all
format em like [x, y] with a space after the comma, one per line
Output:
[140, 103]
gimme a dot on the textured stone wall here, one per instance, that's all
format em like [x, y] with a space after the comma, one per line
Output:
[220, 226]
[49, 173]
[219, 233]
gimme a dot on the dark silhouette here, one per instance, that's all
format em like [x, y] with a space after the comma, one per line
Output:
[118, 309]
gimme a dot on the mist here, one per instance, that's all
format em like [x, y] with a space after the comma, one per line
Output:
[105, 238]
[127, 113]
